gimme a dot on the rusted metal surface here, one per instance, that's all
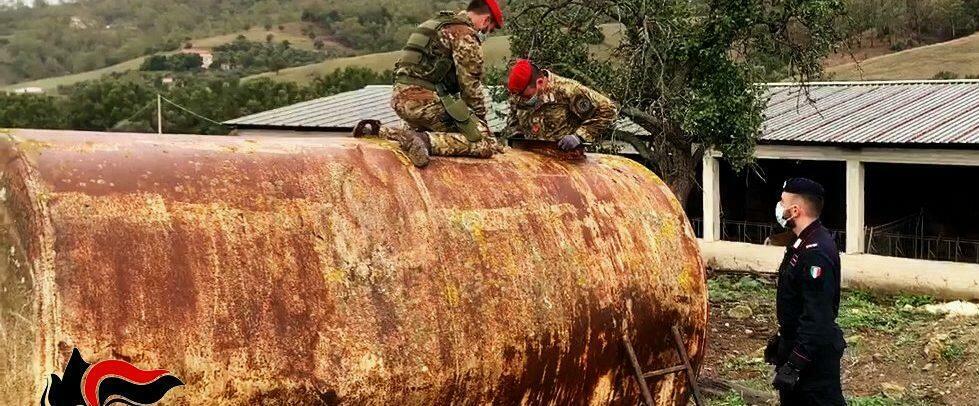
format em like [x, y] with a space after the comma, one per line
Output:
[312, 271]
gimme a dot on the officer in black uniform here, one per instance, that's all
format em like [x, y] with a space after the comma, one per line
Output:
[807, 350]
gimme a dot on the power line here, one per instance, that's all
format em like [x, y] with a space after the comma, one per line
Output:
[135, 114]
[190, 111]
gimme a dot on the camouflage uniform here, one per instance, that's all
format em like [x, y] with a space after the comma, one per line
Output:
[422, 110]
[564, 107]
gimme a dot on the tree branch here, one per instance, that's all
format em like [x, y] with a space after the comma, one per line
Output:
[644, 119]
[639, 144]
[656, 127]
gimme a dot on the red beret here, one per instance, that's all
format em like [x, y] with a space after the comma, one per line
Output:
[520, 75]
[495, 12]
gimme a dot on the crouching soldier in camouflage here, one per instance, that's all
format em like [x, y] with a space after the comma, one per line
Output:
[438, 90]
[545, 106]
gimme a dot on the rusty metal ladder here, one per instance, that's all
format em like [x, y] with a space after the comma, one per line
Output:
[641, 377]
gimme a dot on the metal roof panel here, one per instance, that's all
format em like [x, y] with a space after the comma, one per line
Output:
[891, 112]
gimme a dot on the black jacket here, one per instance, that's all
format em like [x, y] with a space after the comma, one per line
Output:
[808, 298]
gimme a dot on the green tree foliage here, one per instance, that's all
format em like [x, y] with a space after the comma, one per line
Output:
[248, 57]
[378, 25]
[29, 110]
[128, 102]
[685, 71]
[91, 34]
[905, 23]
[182, 62]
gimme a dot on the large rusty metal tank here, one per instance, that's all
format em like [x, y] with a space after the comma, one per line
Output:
[269, 270]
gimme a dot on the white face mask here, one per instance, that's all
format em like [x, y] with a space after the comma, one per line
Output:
[780, 215]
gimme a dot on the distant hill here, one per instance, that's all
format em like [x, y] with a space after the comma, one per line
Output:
[290, 32]
[959, 56]
[496, 51]
[51, 84]
[40, 42]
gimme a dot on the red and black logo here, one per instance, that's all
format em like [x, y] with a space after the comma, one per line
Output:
[110, 382]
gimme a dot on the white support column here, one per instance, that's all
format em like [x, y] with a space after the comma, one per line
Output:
[855, 182]
[712, 198]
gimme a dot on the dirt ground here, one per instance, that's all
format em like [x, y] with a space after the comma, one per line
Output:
[896, 355]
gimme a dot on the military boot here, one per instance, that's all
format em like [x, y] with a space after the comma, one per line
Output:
[367, 128]
[417, 146]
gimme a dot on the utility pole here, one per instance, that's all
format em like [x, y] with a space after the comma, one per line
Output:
[159, 114]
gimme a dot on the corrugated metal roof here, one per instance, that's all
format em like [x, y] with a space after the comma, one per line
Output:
[880, 112]
[340, 111]
[883, 112]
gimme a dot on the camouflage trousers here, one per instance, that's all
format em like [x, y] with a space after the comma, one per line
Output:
[422, 110]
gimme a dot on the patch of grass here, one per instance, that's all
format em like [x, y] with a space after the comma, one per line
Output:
[914, 300]
[496, 51]
[881, 400]
[959, 55]
[746, 363]
[52, 83]
[906, 338]
[953, 352]
[728, 288]
[731, 399]
[291, 34]
[863, 310]
[872, 401]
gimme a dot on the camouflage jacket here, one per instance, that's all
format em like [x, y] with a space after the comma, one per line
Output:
[467, 56]
[565, 107]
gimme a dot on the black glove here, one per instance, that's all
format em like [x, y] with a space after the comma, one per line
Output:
[787, 376]
[771, 350]
[569, 142]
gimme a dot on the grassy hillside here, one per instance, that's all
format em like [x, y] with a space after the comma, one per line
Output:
[496, 50]
[292, 33]
[959, 56]
[82, 36]
[51, 84]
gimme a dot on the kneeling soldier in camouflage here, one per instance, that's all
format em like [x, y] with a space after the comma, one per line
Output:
[438, 90]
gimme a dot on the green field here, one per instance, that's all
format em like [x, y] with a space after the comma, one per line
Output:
[496, 51]
[52, 83]
[291, 33]
[960, 56]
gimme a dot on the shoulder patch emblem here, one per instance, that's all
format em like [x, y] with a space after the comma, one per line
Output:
[816, 272]
[582, 106]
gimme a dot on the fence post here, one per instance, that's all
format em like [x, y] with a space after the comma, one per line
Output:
[712, 198]
[855, 178]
